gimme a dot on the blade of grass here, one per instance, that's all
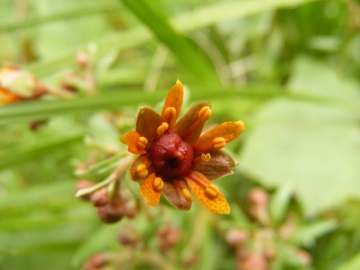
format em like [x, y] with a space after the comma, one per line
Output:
[184, 23]
[156, 20]
[36, 110]
[13, 158]
[84, 11]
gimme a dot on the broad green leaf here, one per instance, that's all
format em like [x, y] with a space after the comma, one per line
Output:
[352, 264]
[312, 147]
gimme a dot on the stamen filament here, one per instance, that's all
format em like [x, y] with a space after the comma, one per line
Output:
[211, 190]
[196, 179]
[203, 115]
[186, 193]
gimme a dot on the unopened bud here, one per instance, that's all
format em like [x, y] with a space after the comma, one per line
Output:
[82, 59]
[100, 198]
[253, 262]
[258, 197]
[110, 213]
[236, 237]
[304, 257]
[96, 261]
[168, 237]
[128, 236]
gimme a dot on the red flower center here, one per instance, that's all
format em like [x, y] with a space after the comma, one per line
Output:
[171, 156]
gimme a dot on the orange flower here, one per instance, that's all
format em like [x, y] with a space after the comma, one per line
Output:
[17, 85]
[175, 160]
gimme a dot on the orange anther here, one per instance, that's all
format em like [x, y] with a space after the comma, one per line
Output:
[170, 112]
[187, 195]
[142, 170]
[158, 184]
[204, 113]
[162, 128]
[212, 191]
[219, 142]
[142, 142]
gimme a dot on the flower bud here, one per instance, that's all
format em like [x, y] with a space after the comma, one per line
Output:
[95, 262]
[110, 213]
[100, 198]
[82, 59]
[304, 257]
[253, 262]
[168, 237]
[258, 197]
[236, 237]
[128, 236]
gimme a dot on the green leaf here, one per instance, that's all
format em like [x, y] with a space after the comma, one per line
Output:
[75, 13]
[102, 169]
[312, 147]
[99, 241]
[43, 109]
[279, 202]
[307, 234]
[352, 264]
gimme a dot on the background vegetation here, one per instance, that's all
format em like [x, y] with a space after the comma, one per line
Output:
[289, 69]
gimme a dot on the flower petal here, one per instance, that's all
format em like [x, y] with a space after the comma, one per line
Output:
[174, 195]
[173, 99]
[186, 121]
[147, 122]
[131, 138]
[228, 130]
[7, 97]
[148, 191]
[219, 165]
[217, 205]
[142, 159]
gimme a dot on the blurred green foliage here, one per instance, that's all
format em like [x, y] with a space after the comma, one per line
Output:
[289, 69]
